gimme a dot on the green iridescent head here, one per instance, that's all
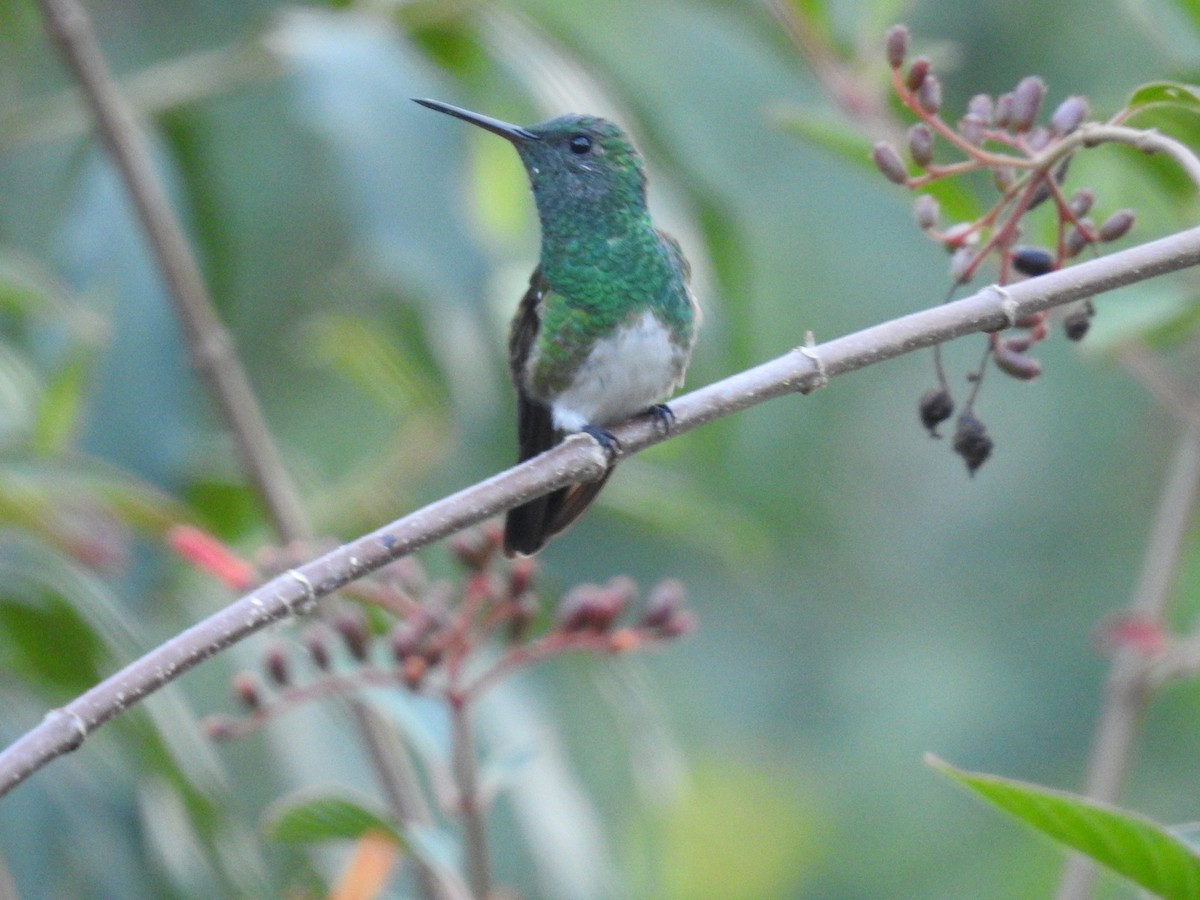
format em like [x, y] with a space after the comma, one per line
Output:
[576, 164]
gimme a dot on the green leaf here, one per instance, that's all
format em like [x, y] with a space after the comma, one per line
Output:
[311, 816]
[1130, 844]
[61, 402]
[1166, 93]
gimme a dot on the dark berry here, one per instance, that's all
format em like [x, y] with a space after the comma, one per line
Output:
[936, 407]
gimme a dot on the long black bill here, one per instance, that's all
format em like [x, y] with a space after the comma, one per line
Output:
[495, 126]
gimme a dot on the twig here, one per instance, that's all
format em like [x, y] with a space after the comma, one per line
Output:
[469, 801]
[576, 459]
[1126, 691]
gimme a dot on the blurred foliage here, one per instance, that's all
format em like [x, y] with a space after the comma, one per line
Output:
[1143, 851]
[860, 601]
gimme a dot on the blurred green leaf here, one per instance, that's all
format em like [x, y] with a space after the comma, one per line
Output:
[47, 642]
[736, 833]
[1156, 312]
[389, 366]
[1130, 844]
[62, 402]
[325, 814]
[1165, 93]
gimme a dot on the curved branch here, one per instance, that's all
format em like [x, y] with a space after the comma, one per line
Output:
[577, 459]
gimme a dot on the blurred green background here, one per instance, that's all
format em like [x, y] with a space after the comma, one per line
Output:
[861, 600]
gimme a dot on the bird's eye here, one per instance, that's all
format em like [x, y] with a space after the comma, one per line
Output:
[580, 144]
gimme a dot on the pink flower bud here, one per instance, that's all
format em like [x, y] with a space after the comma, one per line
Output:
[929, 95]
[1013, 362]
[917, 73]
[920, 144]
[897, 45]
[203, 551]
[888, 161]
[926, 211]
[1026, 101]
[1069, 115]
[1117, 225]
[981, 107]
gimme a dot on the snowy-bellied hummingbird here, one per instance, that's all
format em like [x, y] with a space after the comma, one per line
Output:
[606, 328]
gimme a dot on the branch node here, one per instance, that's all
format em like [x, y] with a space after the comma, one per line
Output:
[809, 349]
[1008, 306]
[308, 600]
[79, 727]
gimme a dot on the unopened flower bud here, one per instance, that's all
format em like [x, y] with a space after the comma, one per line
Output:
[1081, 201]
[960, 264]
[888, 161]
[525, 610]
[218, 727]
[1032, 261]
[1026, 101]
[275, 662]
[897, 45]
[917, 73]
[1038, 139]
[412, 671]
[611, 601]
[1069, 115]
[575, 608]
[920, 144]
[208, 554]
[1076, 239]
[664, 602]
[981, 107]
[1019, 344]
[1117, 225]
[971, 127]
[929, 95]
[405, 639]
[936, 407]
[1015, 363]
[925, 210]
[521, 575]
[971, 442]
[248, 689]
[351, 624]
[1002, 117]
[317, 644]
[1004, 178]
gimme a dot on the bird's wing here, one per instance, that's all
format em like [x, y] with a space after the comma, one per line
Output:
[526, 526]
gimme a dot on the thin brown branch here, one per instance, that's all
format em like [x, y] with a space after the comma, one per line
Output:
[1127, 690]
[577, 459]
[469, 801]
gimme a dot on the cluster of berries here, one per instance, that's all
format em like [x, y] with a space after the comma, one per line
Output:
[441, 641]
[1028, 163]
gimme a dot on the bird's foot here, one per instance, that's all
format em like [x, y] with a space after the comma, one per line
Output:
[606, 439]
[663, 417]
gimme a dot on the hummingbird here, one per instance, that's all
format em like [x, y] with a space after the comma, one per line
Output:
[606, 328]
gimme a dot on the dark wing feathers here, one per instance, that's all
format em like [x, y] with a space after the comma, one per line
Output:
[530, 525]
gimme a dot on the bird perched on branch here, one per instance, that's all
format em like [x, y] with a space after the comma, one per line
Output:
[606, 328]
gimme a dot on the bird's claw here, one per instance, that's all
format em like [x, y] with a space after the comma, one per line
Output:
[606, 439]
[663, 416]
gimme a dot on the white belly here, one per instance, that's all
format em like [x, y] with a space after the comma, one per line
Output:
[624, 375]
